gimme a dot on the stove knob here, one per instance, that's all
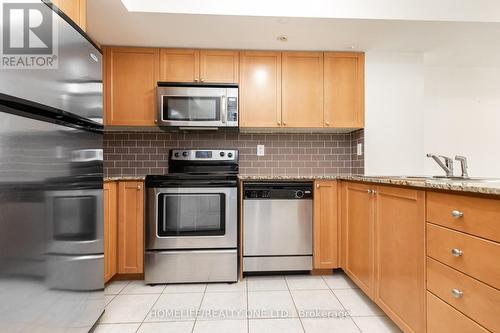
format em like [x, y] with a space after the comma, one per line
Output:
[221, 154]
[185, 153]
[176, 154]
[230, 155]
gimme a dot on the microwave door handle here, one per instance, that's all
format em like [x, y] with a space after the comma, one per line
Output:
[224, 109]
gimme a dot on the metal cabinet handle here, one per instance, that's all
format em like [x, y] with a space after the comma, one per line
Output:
[317, 185]
[138, 187]
[327, 123]
[457, 293]
[279, 122]
[369, 191]
[284, 123]
[457, 252]
[195, 80]
[156, 121]
[456, 214]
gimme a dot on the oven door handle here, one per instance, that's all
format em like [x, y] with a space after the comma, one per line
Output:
[215, 251]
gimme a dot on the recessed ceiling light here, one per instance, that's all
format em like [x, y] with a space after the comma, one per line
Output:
[283, 38]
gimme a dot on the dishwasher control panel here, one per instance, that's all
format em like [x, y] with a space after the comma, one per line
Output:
[270, 191]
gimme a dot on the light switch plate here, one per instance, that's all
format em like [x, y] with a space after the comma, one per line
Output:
[359, 151]
[260, 150]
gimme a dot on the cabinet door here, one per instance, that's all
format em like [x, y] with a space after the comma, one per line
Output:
[344, 89]
[400, 255]
[260, 89]
[76, 10]
[217, 66]
[130, 86]
[302, 95]
[110, 230]
[358, 234]
[325, 227]
[130, 227]
[179, 65]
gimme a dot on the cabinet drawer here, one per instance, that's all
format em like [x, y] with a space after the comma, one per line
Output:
[478, 257]
[475, 216]
[475, 299]
[442, 318]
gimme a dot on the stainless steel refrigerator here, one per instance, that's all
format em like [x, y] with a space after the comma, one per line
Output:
[51, 213]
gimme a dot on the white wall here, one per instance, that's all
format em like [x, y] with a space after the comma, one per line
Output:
[394, 103]
[462, 116]
[415, 105]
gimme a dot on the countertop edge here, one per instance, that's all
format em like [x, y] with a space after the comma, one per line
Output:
[455, 186]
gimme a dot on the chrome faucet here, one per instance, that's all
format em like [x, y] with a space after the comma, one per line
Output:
[463, 164]
[447, 166]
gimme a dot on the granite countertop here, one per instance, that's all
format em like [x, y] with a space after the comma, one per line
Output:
[492, 188]
[457, 185]
[123, 178]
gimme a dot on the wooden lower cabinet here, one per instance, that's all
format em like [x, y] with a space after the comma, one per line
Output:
[130, 227]
[110, 230]
[325, 226]
[442, 318]
[400, 255]
[383, 248]
[357, 234]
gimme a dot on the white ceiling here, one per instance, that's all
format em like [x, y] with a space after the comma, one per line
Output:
[110, 23]
[424, 10]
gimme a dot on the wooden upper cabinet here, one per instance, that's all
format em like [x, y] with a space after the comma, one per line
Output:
[130, 227]
[400, 255]
[358, 235]
[325, 226]
[260, 89]
[76, 10]
[344, 89]
[179, 65]
[131, 76]
[219, 66]
[190, 65]
[110, 229]
[302, 94]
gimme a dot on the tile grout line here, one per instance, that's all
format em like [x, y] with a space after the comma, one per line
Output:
[151, 308]
[199, 307]
[295, 305]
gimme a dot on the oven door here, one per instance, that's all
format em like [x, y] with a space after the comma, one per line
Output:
[190, 106]
[191, 218]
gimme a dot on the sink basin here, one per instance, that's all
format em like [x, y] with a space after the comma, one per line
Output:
[442, 179]
[468, 180]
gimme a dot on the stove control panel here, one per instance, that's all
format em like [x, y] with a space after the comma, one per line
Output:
[204, 154]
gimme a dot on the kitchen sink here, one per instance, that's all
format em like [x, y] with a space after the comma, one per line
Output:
[442, 179]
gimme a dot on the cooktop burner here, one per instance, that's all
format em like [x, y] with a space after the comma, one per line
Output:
[192, 167]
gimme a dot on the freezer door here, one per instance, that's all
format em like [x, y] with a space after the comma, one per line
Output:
[75, 86]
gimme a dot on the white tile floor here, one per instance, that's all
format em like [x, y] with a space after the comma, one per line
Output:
[271, 304]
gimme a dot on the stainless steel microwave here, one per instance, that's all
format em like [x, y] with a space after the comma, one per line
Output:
[197, 105]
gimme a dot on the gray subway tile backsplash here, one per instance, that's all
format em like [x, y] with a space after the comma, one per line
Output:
[138, 154]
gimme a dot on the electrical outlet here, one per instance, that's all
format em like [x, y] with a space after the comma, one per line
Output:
[260, 150]
[359, 151]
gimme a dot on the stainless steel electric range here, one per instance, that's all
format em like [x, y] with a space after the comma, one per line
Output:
[192, 218]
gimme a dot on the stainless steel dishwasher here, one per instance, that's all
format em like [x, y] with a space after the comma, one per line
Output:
[277, 226]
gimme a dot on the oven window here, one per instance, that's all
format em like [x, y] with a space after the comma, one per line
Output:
[191, 108]
[75, 218]
[191, 214]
